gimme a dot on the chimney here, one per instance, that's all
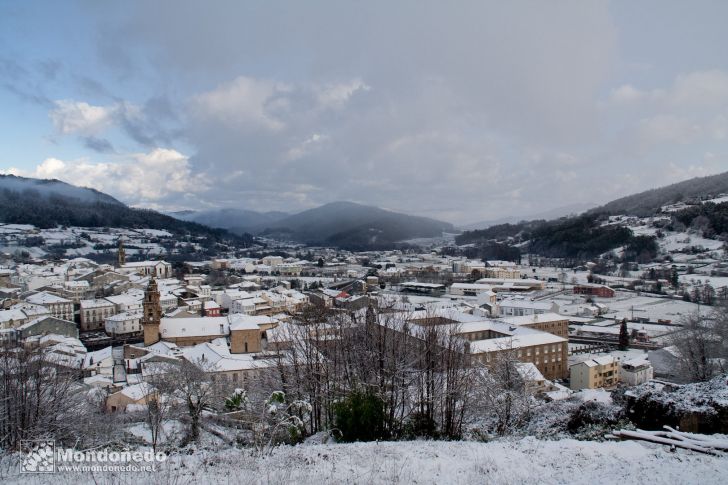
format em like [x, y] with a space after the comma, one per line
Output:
[222, 329]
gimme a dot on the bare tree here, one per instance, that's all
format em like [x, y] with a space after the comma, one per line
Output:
[155, 412]
[39, 396]
[189, 385]
[502, 391]
[702, 345]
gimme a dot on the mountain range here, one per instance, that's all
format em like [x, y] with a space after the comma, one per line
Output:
[235, 220]
[341, 224]
[47, 203]
[51, 203]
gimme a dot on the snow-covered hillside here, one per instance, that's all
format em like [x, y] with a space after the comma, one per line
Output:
[524, 461]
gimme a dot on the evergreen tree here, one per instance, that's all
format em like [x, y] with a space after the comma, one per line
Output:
[674, 278]
[623, 336]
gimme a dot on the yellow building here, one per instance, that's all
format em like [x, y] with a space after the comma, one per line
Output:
[595, 373]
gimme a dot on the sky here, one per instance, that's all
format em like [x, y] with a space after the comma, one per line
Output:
[462, 111]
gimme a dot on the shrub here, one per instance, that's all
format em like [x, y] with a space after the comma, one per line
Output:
[360, 417]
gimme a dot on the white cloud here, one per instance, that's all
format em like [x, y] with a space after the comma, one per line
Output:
[139, 178]
[80, 118]
[336, 95]
[244, 102]
[626, 94]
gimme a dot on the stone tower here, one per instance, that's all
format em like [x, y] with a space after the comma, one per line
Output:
[121, 255]
[152, 314]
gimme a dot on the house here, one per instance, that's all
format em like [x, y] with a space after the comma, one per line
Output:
[212, 309]
[512, 284]
[131, 301]
[12, 318]
[47, 325]
[518, 307]
[602, 291]
[434, 289]
[76, 290]
[272, 261]
[636, 371]
[59, 350]
[469, 289]
[533, 380]
[94, 312]
[595, 373]
[158, 269]
[502, 269]
[57, 306]
[124, 323]
[137, 394]
[100, 362]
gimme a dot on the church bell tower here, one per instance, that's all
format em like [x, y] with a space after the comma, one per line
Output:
[121, 254]
[152, 314]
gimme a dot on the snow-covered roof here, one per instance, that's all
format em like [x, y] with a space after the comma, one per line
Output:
[514, 341]
[95, 303]
[194, 327]
[93, 358]
[529, 372]
[538, 318]
[137, 392]
[239, 321]
[45, 298]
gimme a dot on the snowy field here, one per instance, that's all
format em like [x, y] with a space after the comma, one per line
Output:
[524, 461]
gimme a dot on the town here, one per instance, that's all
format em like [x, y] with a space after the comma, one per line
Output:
[399, 242]
[253, 326]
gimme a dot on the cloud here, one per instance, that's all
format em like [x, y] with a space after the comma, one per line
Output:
[475, 112]
[146, 125]
[243, 103]
[80, 118]
[160, 177]
[336, 95]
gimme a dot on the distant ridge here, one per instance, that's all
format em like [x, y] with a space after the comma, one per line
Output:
[236, 220]
[648, 202]
[567, 210]
[50, 203]
[354, 226]
[47, 187]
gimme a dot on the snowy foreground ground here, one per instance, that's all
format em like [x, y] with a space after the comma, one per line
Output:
[527, 461]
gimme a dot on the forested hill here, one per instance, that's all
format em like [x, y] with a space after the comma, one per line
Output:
[648, 202]
[356, 227]
[55, 203]
[580, 237]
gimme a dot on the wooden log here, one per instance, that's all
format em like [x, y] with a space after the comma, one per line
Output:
[664, 441]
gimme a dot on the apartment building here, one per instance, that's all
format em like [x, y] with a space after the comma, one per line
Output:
[546, 322]
[488, 338]
[595, 373]
[58, 307]
[636, 371]
[94, 313]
